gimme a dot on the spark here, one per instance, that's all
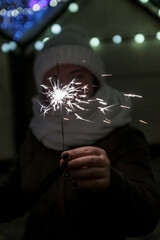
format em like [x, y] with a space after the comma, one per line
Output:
[71, 96]
[106, 120]
[106, 75]
[107, 108]
[132, 95]
[78, 117]
[143, 122]
[103, 103]
[99, 99]
[123, 106]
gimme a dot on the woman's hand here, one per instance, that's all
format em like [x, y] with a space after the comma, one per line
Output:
[87, 167]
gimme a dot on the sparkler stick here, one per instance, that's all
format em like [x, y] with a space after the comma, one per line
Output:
[62, 125]
[61, 111]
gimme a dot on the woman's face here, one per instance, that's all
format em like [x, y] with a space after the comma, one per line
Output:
[67, 72]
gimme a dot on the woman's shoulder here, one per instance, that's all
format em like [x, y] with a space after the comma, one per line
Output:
[124, 139]
[122, 133]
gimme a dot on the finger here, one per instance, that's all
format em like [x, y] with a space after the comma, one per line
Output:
[93, 184]
[85, 173]
[63, 164]
[82, 151]
[87, 161]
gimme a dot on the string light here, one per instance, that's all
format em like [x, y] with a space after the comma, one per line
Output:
[53, 3]
[73, 7]
[158, 35]
[45, 40]
[15, 13]
[117, 39]
[17, 17]
[7, 47]
[139, 38]
[144, 1]
[36, 7]
[56, 28]
[38, 45]
[94, 42]
[12, 45]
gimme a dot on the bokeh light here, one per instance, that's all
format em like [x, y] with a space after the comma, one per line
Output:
[7, 47]
[158, 35]
[144, 1]
[38, 45]
[56, 28]
[94, 42]
[139, 38]
[18, 17]
[73, 7]
[117, 39]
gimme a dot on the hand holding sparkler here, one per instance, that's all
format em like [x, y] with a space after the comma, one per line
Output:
[87, 167]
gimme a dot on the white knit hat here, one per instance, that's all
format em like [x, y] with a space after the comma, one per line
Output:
[71, 46]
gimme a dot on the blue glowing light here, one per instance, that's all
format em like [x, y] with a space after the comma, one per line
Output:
[38, 45]
[18, 17]
[6, 47]
[56, 28]
[41, 3]
[117, 39]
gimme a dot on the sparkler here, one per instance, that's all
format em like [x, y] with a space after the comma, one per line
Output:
[69, 97]
[72, 97]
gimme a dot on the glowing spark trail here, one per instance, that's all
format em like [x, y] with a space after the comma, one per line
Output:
[106, 120]
[103, 109]
[70, 96]
[123, 106]
[132, 95]
[106, 75]
[78, 117]
[143, 122]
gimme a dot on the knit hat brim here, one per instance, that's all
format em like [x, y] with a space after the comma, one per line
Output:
[68, 54]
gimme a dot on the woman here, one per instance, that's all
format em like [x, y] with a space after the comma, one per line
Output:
[99, 184]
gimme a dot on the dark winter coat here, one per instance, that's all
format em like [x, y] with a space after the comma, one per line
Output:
[130, 206]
